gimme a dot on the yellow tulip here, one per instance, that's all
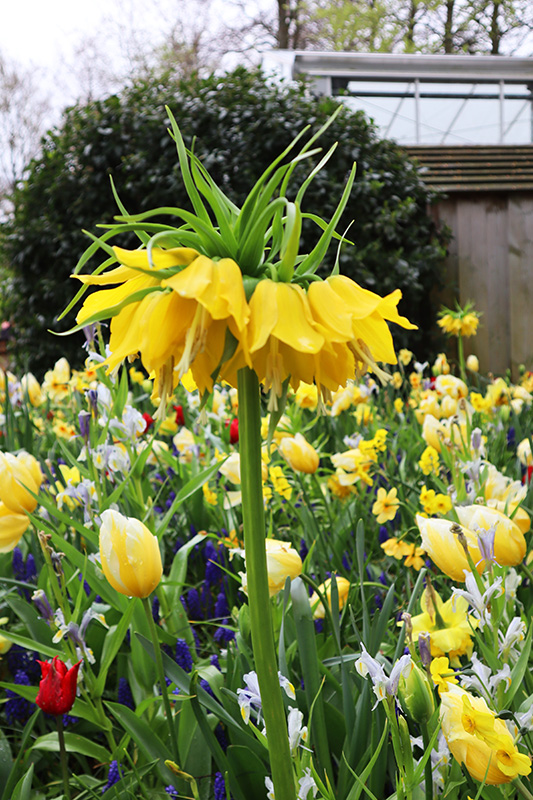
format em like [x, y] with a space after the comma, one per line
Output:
[444, 548]
[19, 475]
[12, 526]
[343, 589]
[31, 388]
[479, 740]
[282, 562]
[299, 454]
[5, 644]
[472, 363]
[130, 555]
[509, 542]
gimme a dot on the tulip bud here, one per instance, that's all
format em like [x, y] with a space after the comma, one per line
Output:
[19, 475]
[282, 562]
[57, 689]
[299, 454]
[472, 363]
[130, 555]
[343, 589]
[416, 696]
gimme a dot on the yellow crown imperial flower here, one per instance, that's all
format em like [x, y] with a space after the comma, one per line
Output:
[179, 322]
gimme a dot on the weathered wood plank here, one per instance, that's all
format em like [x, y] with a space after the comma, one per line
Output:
[520, 257]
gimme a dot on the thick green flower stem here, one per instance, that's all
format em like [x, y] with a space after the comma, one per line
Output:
[161, 676]
[461, 357]
[258, 594]
[63, 757]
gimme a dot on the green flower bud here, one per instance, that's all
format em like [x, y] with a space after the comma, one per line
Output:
[416, 695]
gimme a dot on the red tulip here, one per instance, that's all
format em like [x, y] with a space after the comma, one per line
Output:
[57, 689]
[234, 431]
[149, 421]
[180, 416]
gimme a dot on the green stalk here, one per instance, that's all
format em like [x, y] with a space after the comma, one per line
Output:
[161, 676]
[63, 756]
[258, 594]
[461, 357]
[428, 770]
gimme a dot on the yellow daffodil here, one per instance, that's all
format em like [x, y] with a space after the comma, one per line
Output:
[299, 454]
[130, 555]
[415, 557]
[442, 674]
[405, 356]
[343, 588]
[448, 624]
[479, 740]
[451, 386]
[56, 381]
[396, 548]
[386, 506]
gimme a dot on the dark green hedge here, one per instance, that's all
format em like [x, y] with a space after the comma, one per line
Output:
[241, 121]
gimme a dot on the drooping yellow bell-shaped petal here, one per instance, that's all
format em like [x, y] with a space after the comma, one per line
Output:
[281, 311]
[130, 555]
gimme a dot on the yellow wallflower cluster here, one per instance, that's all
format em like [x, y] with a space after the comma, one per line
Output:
[433, 502]
[280, 483]
[354, 465]
[429, 461]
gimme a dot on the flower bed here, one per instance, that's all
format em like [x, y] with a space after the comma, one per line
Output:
[368, 503]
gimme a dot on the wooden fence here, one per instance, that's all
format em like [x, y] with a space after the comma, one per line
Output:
[489, 208]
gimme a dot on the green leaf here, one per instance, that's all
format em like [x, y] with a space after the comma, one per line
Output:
[74, 743]
[30, 644]
[518, 671]
[8, 793]
[112, 642]
[6, 759]
[23, 787]
[249, 770]
[145, 737]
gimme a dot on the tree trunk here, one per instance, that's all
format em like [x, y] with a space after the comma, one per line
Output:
[448, 27]
[495, 30]
[283, 24]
